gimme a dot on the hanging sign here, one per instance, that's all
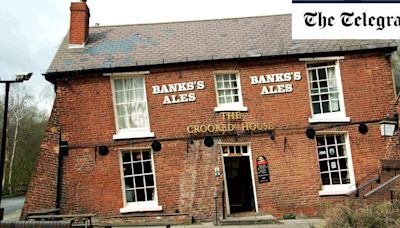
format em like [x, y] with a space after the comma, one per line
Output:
[262, 169]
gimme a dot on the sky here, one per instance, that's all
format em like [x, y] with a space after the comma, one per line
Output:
[32, 30]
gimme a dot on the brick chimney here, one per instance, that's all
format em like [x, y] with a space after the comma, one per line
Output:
[79, 27]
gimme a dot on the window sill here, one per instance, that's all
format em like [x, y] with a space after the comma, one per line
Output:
[335, 191]
[230, 109]
[129, 209]
[133, 135]
[330, 120]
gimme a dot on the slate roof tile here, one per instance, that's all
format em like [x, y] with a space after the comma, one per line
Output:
[152, 44]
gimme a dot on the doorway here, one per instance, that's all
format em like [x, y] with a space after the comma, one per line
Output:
[239, 184]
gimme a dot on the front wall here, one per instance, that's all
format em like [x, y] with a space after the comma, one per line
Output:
[185, 173]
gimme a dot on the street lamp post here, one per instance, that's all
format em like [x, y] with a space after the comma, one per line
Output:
[19, 78]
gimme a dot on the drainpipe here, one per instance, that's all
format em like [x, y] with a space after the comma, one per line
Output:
[63, 150]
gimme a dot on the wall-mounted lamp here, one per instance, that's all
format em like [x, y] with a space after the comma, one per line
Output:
[103, 150]
[156, 146]
[389, 125]
[363, 128]
[310, 132]
[208, 141]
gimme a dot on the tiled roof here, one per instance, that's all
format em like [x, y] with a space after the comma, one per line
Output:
[152, 44]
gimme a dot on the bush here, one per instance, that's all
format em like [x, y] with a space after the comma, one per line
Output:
[289, 216]
[379, 215]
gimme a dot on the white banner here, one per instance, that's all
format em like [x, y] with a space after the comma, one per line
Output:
[346, 21]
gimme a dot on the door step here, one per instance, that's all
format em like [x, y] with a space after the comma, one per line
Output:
[249, 220]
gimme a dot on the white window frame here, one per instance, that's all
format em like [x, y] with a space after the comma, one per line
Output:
[332, 116]
[338, 189]
[143, 206]
[130, 133]
[235, 106]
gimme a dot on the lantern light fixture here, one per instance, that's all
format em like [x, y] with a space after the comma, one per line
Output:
[389, 125]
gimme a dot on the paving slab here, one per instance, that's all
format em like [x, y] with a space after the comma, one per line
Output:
[290, 223]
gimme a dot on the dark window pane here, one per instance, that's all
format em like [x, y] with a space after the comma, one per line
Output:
[340, 138]
[325, 97]
[147, 167]
[130, 196]
[127, 169]
[325, 179]
[139, 181]
[225, 149]
[129, 182]
[321, 153]
[150, 193]
[236, 98]
[314, 85]
[325, 107]
[238, 150]
[323, 166]
[333, 164]
[231, 149]
[343, 163]
[323, 84]
[149, 180]
[316, 108]
[342, 150]
[332, 152]
[315, 98]
[140, 195]
[146, 155]
[345, 177]
[330, 139]
[137, 168]
[321, 74]
[335, 178]
[136, 156]
[126, 157]
[244, 149]
[313, 75]
[320, 140]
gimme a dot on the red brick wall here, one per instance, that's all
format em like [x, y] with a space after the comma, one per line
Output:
[185, 173]
[42, 189]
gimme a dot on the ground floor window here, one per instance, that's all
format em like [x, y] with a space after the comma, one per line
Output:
[335, 163]
[139, 179]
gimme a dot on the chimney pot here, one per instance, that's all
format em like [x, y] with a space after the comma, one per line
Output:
[79, 24]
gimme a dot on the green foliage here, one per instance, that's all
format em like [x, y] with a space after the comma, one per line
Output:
[379, 215]
[289, 216]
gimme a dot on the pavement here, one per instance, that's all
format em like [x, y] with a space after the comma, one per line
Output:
[12, 207]
[289, 223]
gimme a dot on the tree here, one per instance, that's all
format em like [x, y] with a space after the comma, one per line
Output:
[26, 124]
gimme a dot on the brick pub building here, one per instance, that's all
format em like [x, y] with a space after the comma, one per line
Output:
[154, 122]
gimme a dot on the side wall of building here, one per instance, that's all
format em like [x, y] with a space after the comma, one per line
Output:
[42, 190]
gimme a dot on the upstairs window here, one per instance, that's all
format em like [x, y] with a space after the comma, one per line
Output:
[229, 94]
[130, 103]
[326, 93]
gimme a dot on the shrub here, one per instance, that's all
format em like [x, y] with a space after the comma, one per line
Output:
[379, 215]
[289, 216]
